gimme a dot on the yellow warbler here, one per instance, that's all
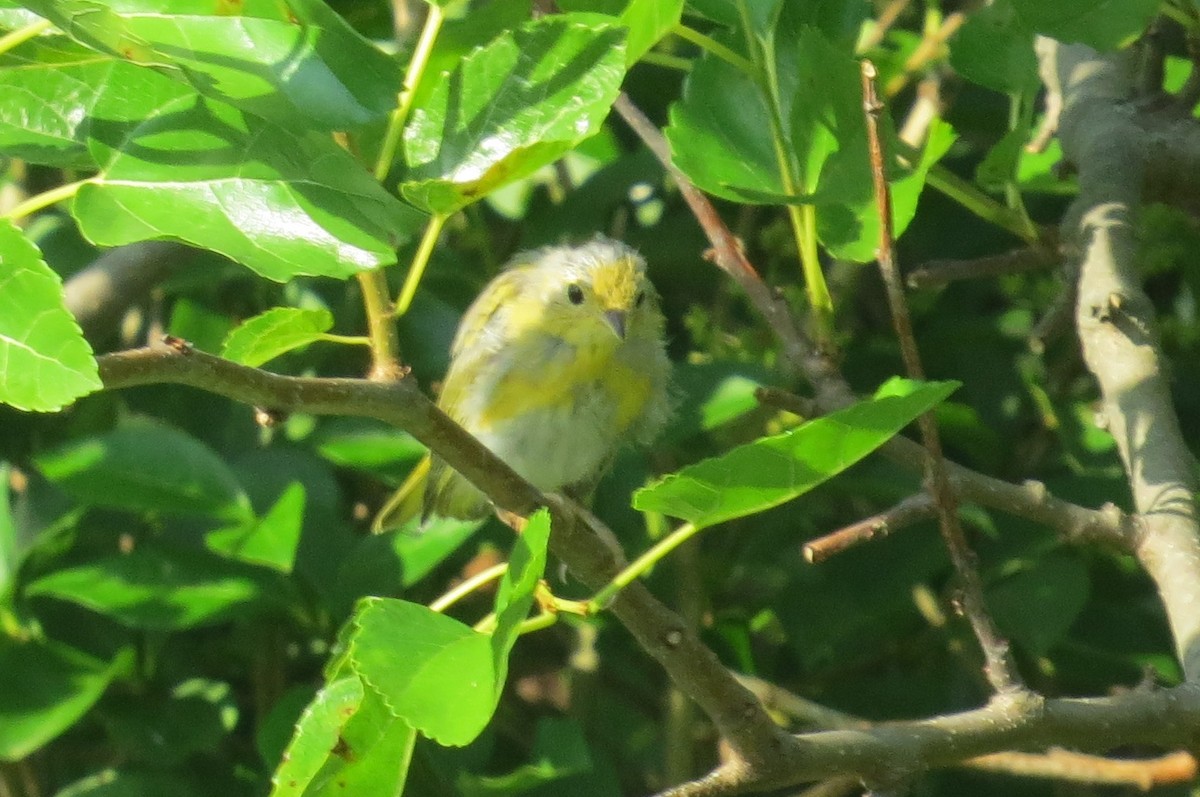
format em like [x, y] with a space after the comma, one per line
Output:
[557, 363]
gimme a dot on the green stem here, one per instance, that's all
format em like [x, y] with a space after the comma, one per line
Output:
[350, 340]
[42, 200]
[419, 261]
[473, 583]
[404, 101]
[15, 38]
[640, 565]
[711, 45]
[667, 61]
[381, 325]
[981, 204]
[803, 218]
[537, 623]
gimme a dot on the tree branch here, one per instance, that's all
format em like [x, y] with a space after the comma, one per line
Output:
[578, 539]
[1115, 320]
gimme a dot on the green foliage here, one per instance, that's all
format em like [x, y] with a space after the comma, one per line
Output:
[763, 474]
[45, 363]
[191, 605]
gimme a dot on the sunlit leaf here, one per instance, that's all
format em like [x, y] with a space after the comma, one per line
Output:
[772, 470]
[45, 363]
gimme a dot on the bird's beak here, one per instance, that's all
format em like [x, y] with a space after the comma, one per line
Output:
[616, 320]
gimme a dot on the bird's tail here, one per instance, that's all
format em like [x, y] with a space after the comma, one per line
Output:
[406, 503]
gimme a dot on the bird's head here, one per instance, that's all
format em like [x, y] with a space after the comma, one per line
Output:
[595, 296]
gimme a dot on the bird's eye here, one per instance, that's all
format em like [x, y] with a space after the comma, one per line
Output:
[575, 294]
[639, 299]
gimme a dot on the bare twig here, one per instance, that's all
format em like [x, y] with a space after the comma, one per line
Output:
[910, 510]
[1076, 524]
[1000, 668]
[936, 273]
[1067, 765]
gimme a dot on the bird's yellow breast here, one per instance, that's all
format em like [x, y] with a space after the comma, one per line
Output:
[555, 383]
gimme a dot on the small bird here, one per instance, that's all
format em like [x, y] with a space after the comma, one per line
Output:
[557, 363]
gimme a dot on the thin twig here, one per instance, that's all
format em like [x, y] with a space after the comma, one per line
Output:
[910, 510]
[727, 254]
[1000, 668]
[936, 273]
[1067, 765]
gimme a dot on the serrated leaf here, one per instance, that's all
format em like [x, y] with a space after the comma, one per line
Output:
[720, 134]
[275, 332]
[346, 743]
[510, 108]
[449, 682]
[293, 63]
[48, 686]
[147, 466]
[271, 540]
[772, 470]
[45, 363]
[444, 684]
[159, 589]
[282, 203]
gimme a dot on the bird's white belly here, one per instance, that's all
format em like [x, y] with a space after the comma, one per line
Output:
[555, 446]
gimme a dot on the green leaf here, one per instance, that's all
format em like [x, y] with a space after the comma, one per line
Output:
[143, 465]
[282, 203]
[294, 63]
[275, 332]
[772, 470]
[648, 21]
[55, 84]
[346, 743]
[444, 685]
[1102, 24]
[510, 108]
[526, 565]
[560, 750]
[367, 445]
[157, 589]
[720, 134]
[48, 686]
[317, 733]
[995, 50]
[1036, 606]
[271, 540]
[851, 231]
[449, 682]
[45, 363]
[166, 728]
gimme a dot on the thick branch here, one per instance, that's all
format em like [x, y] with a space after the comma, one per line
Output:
[890, 751]
[1116, 326]
[578, 540]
